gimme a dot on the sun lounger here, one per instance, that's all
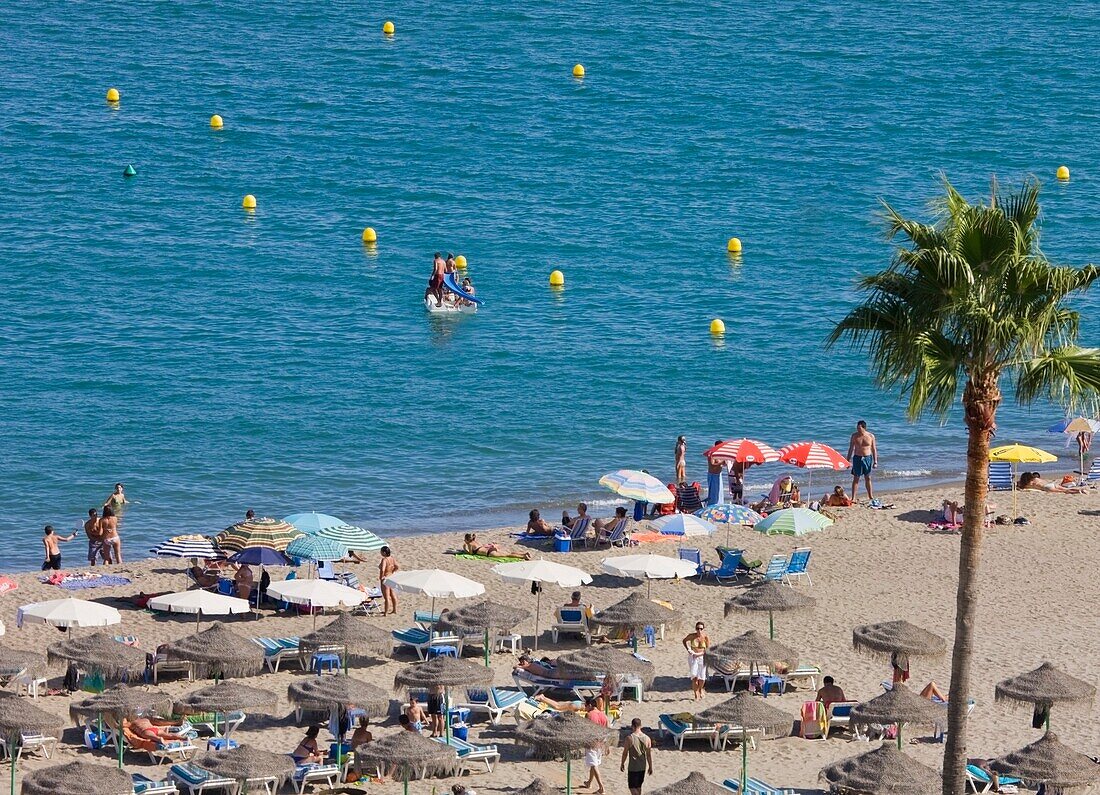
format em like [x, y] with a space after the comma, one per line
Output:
[1000, 476]
[803, 675]
[496, 702]
[197, 781]
[578, 533]
[797, 566]
[571, 621]
[680, 731]
[161, 664]
[731, 735]
[694, 556]
[305, 775]
[615, 536]
[29, 683]
[143, 785]
[425, 618]
[540, 684]
[29, 742]
[227, 721]
[838, 715]
[159, 751]
[730, 568]
[276, 650]
[980, 781]
[468, 752]
[777, 568]
[1093, 475]
[421, 640]
[753, 786]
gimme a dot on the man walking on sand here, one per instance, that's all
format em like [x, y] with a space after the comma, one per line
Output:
[387, 565]
[637, 757]
[863, 453]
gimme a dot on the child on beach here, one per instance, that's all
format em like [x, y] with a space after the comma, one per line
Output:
[53, 552]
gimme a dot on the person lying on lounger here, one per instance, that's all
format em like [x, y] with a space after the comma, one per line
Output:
[153, 729]
[534, 667]
[1034, 482]
[471, 547]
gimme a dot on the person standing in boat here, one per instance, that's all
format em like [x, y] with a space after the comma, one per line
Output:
[435, 283]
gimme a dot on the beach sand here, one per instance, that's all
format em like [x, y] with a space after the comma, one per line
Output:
[1037, 602]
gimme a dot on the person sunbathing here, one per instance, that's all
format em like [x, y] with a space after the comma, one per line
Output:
[605, 525]
[1033, 481]
[201, 578]
[490, 550]
[534, 667]
[932, 693]
[837, 499]
[152, 729]
[537, 526]
[308, 752]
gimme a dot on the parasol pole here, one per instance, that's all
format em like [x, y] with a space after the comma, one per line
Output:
[538, 605]
[13, 746]
[771, 625]
[899, 735]
[568, 774]
[406, 780]
[119, 743]
[486, 647]
[744, 758]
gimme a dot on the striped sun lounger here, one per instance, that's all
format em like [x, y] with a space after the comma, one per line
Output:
[468, 752]
[753, 786]
[276, 650]
[196, 780]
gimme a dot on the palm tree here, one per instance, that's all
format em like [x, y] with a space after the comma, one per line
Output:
[969, 299]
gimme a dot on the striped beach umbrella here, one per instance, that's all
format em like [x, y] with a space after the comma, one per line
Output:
[793, 522]
[728, 513]
[336, 529]
[683, 524]
[310, 547]
[635, 485]
[266, 532]
[742, 451]
[188, 546]
[813, 455]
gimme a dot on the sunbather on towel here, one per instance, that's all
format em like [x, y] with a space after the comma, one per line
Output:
[490, 550]
[537, 526]
[1034, 481]
[560, 706]
[152, 729]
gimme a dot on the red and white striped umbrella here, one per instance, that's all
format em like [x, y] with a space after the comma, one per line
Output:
[742, 451]
[813, 455]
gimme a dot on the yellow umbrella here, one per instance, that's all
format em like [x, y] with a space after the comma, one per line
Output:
[1020, 454]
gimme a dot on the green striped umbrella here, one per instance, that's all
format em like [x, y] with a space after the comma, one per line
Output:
[265, 533]
[310, 547]
[352, 537]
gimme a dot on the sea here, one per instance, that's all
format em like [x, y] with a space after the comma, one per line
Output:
[214, 360]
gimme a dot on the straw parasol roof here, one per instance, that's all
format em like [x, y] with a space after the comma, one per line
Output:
[751, 648]
[561, 733]
[898, 705]
[358, 636]
[408, 750]
[897, 636]
[769, 597]
[1046, 685]
[122, 701]
[247, 762]
[883, 771]
[20, 715]
[593, 662]
[77, 778]
[1049, 761]
[14, 661]
[226, 697]
[217, 651]
[636, 612]
[695, 784]
[482, 616]
[445, 672]
[540, 787]
[333, 691]
[101, 653]
[749, 712]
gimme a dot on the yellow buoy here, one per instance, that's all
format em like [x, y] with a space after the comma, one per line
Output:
[388, 28]
[249, 202]
[557, 279]
[717, 326]
[1063, 173]
[578, 71]
[734, 245]
[216, 122]
[112, 95]
[460, 262]
[369, 235]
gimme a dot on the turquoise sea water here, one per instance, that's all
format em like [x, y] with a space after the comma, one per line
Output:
[155, 333]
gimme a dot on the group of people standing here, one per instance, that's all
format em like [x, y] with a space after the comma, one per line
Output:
[441, 268]
[101, 528]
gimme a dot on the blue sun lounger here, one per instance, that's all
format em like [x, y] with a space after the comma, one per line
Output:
[468, 752]
[983, 782]
[753, 786]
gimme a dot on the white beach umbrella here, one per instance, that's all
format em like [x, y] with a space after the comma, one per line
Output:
[436, 583]
[684, 524]
[541, 571]
[201, 603]
[69, 613]
[649, 567]
[635, 485]
[316, 593]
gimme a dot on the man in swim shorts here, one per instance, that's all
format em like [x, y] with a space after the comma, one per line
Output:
[435, 283]
[863, 453]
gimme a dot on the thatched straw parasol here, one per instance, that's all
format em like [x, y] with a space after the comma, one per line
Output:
[562, 734]
[751, 649]
[334, 692]
[898, 706]
[540, 787]
[746, 712]
[226, 697]
[1044, 687]
[357, 636]
[77, 778]
[883, 771]
[695, 784]
[246, 763]
[218, 652]
[16, 661]
[1050, 762]
[769, 597]
[18, 715]
[445, 672]
[898, 640]
[596, 662]
[483, 617]
[637, 612]
[411, 752]
[100, 653]
[120, 702]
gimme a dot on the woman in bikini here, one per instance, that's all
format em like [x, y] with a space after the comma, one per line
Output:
[307, 751]
[108, 530]
[697, 644]
[117, 498]
[471, 547]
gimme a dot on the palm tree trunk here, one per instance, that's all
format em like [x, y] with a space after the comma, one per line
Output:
[980, 402]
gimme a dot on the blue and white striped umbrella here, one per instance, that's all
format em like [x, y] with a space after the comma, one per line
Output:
[310, 547]
[331, 527]
[190, 546]
[729, 513]
[683, 524]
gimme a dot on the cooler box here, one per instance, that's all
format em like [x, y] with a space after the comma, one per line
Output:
[561, 544]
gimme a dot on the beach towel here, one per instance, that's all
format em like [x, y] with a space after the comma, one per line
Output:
[507, 559]
[7, 584]
[652, 538]
[79, 581]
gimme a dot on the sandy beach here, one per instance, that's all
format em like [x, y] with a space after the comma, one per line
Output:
[1038, 590]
